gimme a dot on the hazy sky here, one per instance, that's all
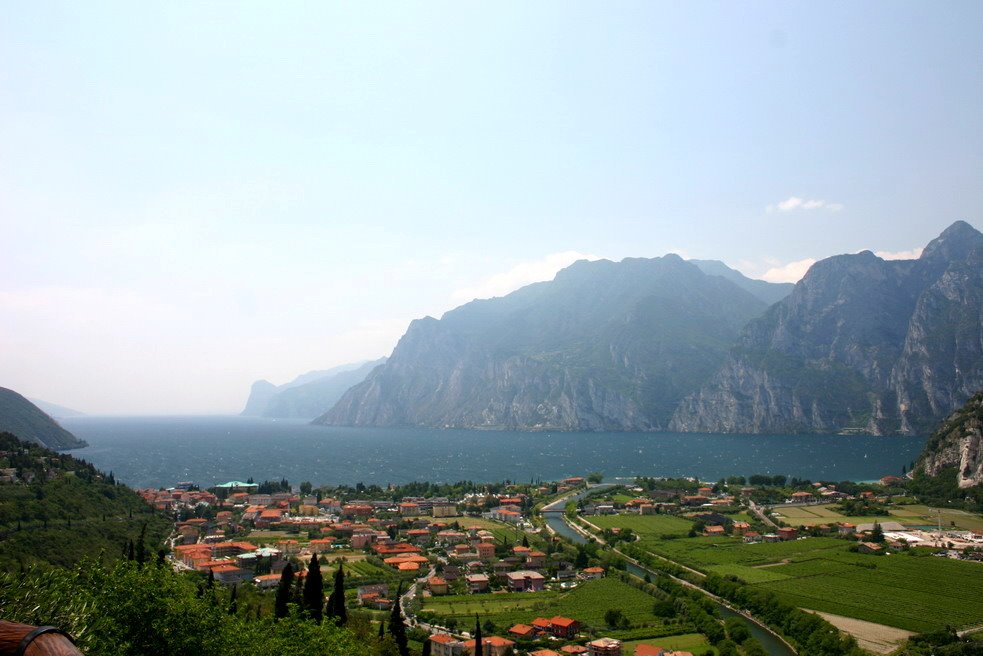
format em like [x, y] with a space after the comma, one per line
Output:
[196, 195]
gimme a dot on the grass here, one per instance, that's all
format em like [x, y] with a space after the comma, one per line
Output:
[909, 515]
[695, 643]
[646, 526]
[587, 603]
[915, 592]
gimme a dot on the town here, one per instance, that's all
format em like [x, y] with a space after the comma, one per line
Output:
[576, 566]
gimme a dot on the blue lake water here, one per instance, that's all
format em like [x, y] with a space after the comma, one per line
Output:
[160, 451]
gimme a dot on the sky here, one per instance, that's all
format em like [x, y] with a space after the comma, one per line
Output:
[196, 195]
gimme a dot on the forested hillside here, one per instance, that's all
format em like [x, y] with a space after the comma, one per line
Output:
[55, 509]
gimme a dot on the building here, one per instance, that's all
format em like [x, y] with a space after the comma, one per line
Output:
[787, 533]
[649, 650]
[535, 559]
[477, 583]
[714, 531]
[523, 632]
[525, 581]
[442, 644]
[564, 627]
[437, 585]
[604, 647]
[574, 650]
[491, 646]
[486, 550]
[593, 573]
[870, 548]
[739, 528]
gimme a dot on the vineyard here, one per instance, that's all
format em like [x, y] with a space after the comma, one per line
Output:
[646, 526]
[587, 603]
[912, 591]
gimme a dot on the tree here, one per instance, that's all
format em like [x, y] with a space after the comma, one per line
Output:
[141, 547]
[338, 611]
[595, 477]
[234, 600]
[397, 627]
[314, 590]
[283, 592]
[877, 535]
[427, 646]
[478, 647]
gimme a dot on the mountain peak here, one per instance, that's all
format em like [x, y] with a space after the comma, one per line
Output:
[955, 242]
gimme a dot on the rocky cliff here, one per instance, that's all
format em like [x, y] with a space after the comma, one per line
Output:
[861, 344]
[958, 443]
[604, 346]
[307, 396]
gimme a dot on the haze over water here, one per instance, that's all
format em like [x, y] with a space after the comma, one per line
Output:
[161, 451]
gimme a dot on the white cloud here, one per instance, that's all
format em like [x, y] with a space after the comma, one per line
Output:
[795, 203]
[520, 275]
[912, 254]
[790, 272]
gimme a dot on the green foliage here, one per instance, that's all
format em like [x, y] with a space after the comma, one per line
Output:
[126, 610]
[70, 510]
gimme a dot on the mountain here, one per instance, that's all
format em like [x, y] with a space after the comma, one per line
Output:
[308, 395]
[28, 422]
[604, 346]
[55, 410]
[957, 444]
[769, 292]
[861, 344]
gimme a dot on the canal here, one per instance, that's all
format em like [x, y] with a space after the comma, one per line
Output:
[555, 519]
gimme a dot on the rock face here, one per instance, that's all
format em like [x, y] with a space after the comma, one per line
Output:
[958, 443]
[28, 422]
[861, 344]
[604, 346]
[308, 395]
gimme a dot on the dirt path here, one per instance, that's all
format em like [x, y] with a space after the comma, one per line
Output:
[876, 638]
[782, 562]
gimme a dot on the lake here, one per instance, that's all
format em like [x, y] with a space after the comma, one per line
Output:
[161, 451]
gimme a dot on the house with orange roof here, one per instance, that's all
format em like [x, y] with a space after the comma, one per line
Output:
[574, 650]
[442, 644]
[564, 627]
[438, 585]
[491, 646]
[714, 531]
[544, 652]
[523, 632]
[477, 583]
[321, 545]
[649, 650]
[535, 559]
[592, 573]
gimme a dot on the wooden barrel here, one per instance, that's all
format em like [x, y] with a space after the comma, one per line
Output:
[25, 640]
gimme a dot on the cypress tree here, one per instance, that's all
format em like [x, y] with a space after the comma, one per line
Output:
[478, 647]
[129, 550]
[141, 551]
[211, 579]
[427, 645]
[283, 592]
[338, 595]
[329, 606]
[382, 629]
[397, 628]
[234, 600]
[314, 590]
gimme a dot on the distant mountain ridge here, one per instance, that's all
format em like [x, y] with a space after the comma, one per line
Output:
[22, 418]
[769, 292]
[308, 395]
[56, 411]
[861, 344]
[604, 346]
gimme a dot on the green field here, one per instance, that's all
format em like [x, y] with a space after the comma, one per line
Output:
[694, 643]
[646, 526]
[913, 592]
[913, 515]
[587, 603]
